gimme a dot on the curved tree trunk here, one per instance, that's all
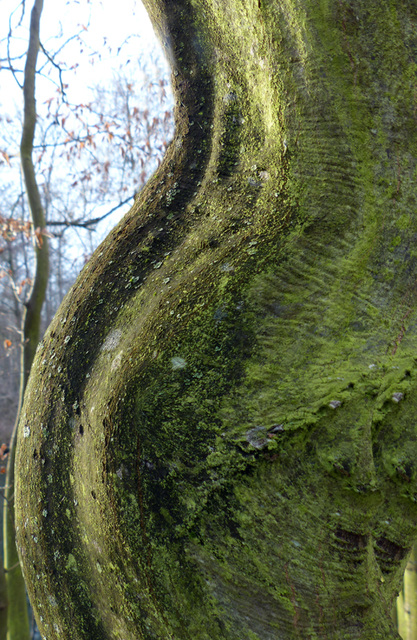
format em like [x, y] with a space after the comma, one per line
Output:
[218, 438]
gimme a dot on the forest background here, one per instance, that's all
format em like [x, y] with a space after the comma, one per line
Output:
[102, 105]
[104, 120]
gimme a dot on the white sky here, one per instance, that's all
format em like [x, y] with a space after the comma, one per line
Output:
[108, 22]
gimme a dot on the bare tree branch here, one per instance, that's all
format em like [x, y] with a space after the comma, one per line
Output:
[9, 35]
[91, 221]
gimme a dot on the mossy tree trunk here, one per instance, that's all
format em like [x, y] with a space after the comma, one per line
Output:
[17, 614]
[218, 438]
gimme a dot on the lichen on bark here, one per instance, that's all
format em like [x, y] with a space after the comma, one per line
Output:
[218, 435]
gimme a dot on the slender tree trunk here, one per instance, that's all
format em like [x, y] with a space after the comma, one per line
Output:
[407, 605]
[401, 617]
[218, 438]
[3, 602]
[18, 620]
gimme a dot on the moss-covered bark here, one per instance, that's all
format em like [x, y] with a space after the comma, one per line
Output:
[218, 438]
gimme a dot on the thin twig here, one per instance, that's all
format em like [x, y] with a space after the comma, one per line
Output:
[11, 568]
[52, 61]
[91, 221]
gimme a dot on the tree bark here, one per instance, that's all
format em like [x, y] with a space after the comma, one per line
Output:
[218, 437]
[407, 609]
[17, 616]
[3, 602]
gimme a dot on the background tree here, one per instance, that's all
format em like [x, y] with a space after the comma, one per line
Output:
[406, 604]
[224, 406]
[87, 170]
[41, 158]
[17, 617]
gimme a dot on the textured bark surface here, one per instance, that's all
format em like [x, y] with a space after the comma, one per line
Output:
[218, 438]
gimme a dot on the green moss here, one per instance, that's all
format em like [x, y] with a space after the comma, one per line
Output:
[226, 397]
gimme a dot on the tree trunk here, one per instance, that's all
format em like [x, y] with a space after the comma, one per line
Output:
[3, 602]
[218, 438]
[17, 618]
[407, 609]
[401, 616]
